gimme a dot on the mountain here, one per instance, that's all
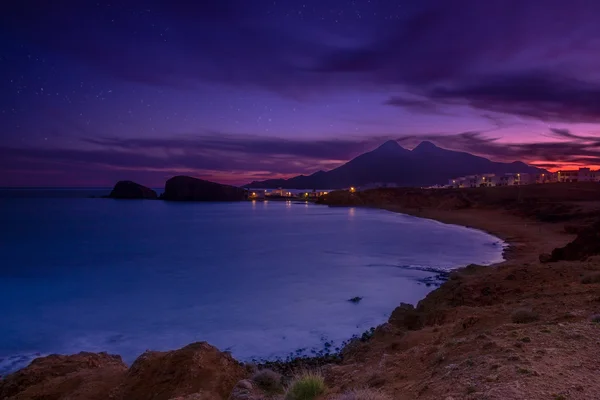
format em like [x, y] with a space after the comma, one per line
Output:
[426, 164]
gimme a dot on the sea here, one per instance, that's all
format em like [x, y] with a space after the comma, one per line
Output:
[262, 279]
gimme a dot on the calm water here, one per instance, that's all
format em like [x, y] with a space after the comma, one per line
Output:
[258, 279]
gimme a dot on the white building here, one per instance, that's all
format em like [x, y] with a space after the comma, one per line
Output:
[581, 175]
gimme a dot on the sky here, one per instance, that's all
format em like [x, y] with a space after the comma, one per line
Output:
[92, 92]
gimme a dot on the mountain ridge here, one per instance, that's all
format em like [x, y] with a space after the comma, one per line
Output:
[424, 165]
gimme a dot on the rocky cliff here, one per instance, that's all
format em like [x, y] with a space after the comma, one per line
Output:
[131, 190]
[185, 188]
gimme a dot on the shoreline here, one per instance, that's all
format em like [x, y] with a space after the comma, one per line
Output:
[325, 352]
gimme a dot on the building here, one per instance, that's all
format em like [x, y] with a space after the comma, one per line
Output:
[580, 175]
[524, 178]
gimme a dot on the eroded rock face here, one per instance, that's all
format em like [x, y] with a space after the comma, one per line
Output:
[406, 316]
[198, 369]
[83, 376]
[132, 190]
[185, 188]
[586, 244]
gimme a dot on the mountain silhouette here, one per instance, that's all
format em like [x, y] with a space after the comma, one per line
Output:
[426, 164]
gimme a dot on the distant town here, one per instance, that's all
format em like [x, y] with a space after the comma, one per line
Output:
[511, 179]
[469, 181]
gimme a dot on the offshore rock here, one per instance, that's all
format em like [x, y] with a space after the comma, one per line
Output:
[132, 190]
[185, 188]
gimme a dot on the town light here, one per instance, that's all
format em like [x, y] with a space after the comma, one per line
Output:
[352, 189]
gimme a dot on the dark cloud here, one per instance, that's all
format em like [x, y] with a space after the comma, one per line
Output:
[572, 149]
[534, 95]
[420, 105]
[468, 51]
[326, 149]
[235, 158]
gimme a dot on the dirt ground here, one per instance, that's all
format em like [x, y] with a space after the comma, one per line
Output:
[473, 346]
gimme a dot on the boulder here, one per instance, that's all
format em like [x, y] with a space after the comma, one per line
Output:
[586, 244]
[198, 370]
[131, 190]
[185, 188]
[406, 316]
[83, 376]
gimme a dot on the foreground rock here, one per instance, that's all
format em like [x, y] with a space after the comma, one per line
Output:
[198, 369]
[131, 190]
[83, 376]
[185, 188]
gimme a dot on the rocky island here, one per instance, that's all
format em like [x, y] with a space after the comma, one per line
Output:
[185, 188]
[132, 190]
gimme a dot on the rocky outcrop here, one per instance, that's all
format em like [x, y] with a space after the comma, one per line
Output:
[131, 190]
[198, 369]
[586, 244]
[185, 188]
[405, 316]
[83, 376]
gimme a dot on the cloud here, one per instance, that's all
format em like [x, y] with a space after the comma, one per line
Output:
[225, 157]
[469, 51]
[571, 149]
[533, 95]
[420, 105]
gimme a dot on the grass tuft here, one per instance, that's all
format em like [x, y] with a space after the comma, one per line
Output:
[524, 316]
[363, 394]
[268, 380]
[306, 386]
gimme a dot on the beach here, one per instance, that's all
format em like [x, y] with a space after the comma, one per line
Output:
[470, 346]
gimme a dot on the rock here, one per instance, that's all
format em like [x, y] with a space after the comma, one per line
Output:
[83, 376]
[384, 330]
[185, 188]
[244, 384]
[586, 244]
[406, 317]
[197, 369]
[131, 190]
[242, 391]
[545, 258]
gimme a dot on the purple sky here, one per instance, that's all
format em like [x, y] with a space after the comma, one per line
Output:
[236, 90]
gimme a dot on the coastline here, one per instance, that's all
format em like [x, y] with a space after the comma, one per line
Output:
[465, 343]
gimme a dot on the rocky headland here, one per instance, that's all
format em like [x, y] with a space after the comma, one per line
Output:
[522, 329]
[185, 188]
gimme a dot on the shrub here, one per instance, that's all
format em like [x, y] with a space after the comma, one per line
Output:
[305, 386]
[268, 380]
[591, 278]
[524, 316]
[596, 318]
[363, 394]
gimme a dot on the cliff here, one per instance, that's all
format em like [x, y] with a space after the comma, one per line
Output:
[131, 190]
[185, 188]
